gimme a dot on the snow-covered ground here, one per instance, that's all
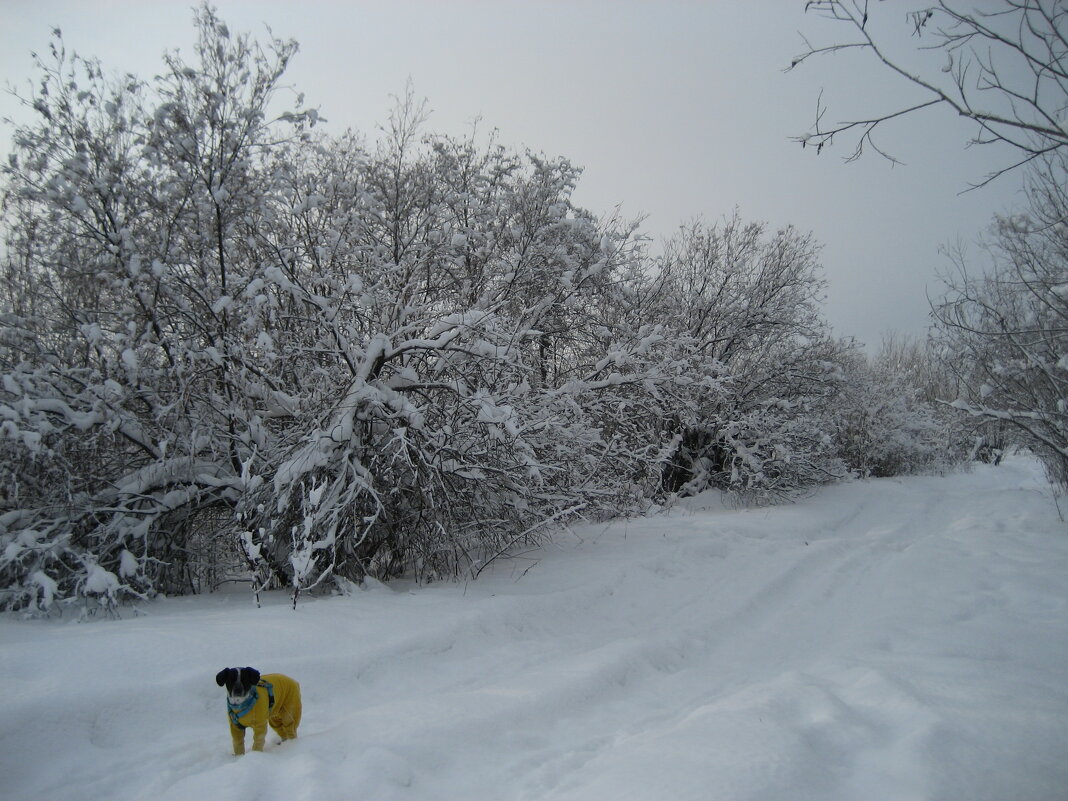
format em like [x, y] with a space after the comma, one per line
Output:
[893, 639]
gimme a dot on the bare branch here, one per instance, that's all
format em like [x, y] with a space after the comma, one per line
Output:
[1028, 114]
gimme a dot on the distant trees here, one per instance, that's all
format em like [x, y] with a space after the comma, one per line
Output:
[889, 420]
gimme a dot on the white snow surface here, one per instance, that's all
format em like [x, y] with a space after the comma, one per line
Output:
[882, 640]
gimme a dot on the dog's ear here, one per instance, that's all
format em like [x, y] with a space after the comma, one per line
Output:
[223, 675]
[249, 676]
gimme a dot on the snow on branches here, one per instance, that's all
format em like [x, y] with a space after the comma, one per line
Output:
[235, 347]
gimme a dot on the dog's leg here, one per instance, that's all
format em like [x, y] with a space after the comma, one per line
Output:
[238, 736]
[259, 736]
[295, 712]
[282, 723]
[286, 718]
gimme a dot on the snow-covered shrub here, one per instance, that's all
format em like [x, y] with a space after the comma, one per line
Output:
[745, 301]
[337, 361]
[883, 424]
[480, 390]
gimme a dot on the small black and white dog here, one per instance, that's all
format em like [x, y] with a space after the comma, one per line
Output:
[254, 700]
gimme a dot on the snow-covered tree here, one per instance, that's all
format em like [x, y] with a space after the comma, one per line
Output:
[1005, 333]
[339, 360]
[456, 308]
[129, 392]
[746, 303]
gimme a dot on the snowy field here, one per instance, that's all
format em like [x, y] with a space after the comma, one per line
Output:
[883, 640]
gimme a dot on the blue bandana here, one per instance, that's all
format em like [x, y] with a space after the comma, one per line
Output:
[240, 710]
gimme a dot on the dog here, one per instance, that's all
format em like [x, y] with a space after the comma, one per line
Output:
[253, 701]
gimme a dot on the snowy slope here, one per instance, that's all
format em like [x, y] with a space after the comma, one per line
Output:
[894, 639]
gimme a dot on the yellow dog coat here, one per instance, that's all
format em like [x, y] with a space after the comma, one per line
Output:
[277, 703]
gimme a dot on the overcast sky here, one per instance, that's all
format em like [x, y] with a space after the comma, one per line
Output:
[674, 109]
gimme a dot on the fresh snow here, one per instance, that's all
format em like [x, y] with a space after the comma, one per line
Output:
[880, 641]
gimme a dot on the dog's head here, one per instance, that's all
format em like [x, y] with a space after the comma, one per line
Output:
[239, 682]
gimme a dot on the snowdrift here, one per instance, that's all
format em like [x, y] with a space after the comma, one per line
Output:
[891, 639]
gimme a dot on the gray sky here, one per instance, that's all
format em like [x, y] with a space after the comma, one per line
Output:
[674, 109]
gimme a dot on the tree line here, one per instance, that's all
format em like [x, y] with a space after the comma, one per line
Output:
[235, 346]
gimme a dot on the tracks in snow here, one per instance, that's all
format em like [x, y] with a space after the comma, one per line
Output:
[833, 649]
